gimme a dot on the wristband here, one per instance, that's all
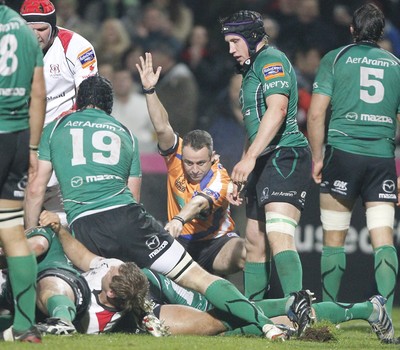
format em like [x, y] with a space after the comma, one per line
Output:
[33, 147]
[149, 91]
[177, 217]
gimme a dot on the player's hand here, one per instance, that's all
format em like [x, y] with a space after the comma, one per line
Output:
[229, 196]
[317, 171]
[174, 227]
[148, 77]
[240, 173]
[48, 218]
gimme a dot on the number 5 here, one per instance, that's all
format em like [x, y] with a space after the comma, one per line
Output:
[366, 81]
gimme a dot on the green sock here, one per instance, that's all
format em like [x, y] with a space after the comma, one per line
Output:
[333, 264]
[226, 297]
[274, 307]
[169, 292]
[289, 270]
[256, 279]
[341, 312]
[386, 268]
[62, 307]
[22, 271]
[245, 330]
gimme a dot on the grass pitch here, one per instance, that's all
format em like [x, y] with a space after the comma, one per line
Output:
[351, 335]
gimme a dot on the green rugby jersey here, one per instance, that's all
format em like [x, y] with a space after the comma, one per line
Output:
[270, 72]
[19, 55]
[363, 82]
[55, 256]
[93, 155]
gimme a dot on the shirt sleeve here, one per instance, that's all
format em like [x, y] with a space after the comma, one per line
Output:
[323, 83]
[83, 57]
[136, 168]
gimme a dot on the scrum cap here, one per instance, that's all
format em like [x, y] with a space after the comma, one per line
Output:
[95, 91]
[39, 11]
[247, 24]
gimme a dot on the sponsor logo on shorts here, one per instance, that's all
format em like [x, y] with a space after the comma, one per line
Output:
[340, 187]
[153, 242]
[265, 194]
[158, 250]
[22, 183]
[232, 234]
[273, 70]
[389, 187]
[284, 194]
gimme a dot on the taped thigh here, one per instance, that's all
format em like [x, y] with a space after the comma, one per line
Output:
[11, 217]
[381, 215]
[276, 222]
[333, 220]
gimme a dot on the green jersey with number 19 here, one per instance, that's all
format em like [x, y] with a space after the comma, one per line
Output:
[270, 72]
[363, 82]
[93, 155]
[20, 53]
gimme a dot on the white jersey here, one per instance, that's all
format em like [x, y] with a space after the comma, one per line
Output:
[69, 60]
[98, 317]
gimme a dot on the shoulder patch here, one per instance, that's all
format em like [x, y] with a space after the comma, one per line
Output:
[273, 70]
[87, 57]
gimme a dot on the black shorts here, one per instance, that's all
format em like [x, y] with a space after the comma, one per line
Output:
[348, 176]
[14, 163]
[205, 252]
[129, 233]
[283, 175]
[78, 284]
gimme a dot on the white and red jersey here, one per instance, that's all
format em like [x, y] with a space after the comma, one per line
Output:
[98, 317]
[69, 60]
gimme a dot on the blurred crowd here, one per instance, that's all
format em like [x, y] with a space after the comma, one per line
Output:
[198, 84]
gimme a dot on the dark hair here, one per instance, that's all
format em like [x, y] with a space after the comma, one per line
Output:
[131, 288]
[247, 24]
[368, 23]
[95, 91]
[197, 139]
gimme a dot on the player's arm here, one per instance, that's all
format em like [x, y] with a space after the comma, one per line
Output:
[157, 112]
[135, 184]
[316, 131]
[37, 111]
[192, 209]
[79, 255]
[270, 124]
[34, 193]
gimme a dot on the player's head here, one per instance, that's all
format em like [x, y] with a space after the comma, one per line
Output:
[248, 25]
[41, 16]
[368, 23]
[95, 92]
[129, 287]
[197, 154]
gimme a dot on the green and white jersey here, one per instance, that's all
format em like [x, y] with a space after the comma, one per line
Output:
[270, 72]
[93, 155]
[55, 256]
[363, 82]
[19, 55]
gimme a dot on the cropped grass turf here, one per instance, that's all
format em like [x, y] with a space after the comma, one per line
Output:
[351, 335]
